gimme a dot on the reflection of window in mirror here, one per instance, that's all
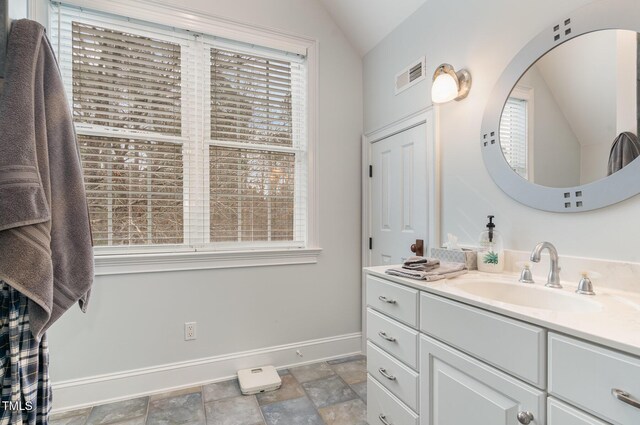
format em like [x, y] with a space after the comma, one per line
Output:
[516, 131]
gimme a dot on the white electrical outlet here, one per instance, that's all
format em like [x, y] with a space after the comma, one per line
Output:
[189, 331]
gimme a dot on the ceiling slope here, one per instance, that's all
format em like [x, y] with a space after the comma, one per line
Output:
[367, 22]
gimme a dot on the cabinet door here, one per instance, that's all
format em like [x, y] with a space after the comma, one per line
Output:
[457, 389]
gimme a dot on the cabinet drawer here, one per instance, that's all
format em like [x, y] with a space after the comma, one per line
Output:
[510, 345]
[559, 413]
[585, 375]
[393, 337]
[384, 408]
[394, 300]
[393, 375]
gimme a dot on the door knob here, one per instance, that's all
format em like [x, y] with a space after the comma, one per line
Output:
[525, 417]
[418, 247]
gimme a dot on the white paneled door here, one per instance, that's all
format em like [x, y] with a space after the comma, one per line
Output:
[399, 195]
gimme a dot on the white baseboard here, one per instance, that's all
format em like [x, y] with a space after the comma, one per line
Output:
[78, 393]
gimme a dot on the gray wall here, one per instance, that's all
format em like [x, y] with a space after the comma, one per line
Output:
[137, 321]
[484, 37]
[556, 149]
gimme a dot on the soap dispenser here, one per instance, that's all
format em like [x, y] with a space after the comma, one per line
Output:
[491, 252]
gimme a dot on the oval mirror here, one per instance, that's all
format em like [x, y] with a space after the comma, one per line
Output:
[572, 118]
[560, 132]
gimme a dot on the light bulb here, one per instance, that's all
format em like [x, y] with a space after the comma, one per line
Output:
[444, 88]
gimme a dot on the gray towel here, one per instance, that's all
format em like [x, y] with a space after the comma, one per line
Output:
[420, 261]
[45, 236]
[445, 271]
[415, 260]
[625, 149]
[420, 267]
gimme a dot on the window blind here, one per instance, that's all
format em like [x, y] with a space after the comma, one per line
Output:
[252, 195]
[126, 81]
[250, 99]
[256, 157]
[187, 141]
[513, 135]
[134, 190]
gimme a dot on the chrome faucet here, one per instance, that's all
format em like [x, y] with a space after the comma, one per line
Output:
[553, 281]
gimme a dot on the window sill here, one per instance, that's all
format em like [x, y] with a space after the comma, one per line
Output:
[115, 264]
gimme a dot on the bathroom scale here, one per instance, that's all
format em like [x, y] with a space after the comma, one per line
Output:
[259, 380]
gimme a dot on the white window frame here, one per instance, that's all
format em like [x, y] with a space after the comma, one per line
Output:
[158, 259]
[527, 94]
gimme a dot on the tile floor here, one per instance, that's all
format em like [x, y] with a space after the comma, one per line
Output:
[327, 393]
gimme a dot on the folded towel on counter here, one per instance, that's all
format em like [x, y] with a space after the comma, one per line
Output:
[415, 260]
[422, 264]
[421, 261]
[444, 271]
[421, 267]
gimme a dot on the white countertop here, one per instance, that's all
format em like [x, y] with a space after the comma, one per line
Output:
[615, 325]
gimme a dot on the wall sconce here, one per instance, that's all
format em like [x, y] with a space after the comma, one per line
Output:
[450, 85]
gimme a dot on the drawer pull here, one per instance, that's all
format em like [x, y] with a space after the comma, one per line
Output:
[384, 335]
[386, 300]
[625, 397]
[383, 419]
[384, 373]
[525, 417]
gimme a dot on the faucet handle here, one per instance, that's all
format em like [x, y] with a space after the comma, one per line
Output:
[585, 286]
[525, 275]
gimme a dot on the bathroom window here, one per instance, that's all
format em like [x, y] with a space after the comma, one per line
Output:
[256, 148]
[188, 142]
[514, 135]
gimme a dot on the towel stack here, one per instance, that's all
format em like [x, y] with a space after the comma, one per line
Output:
[429, 269]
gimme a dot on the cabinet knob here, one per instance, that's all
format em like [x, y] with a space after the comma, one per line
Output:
[525, 417]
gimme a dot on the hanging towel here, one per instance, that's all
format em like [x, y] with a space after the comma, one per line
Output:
[25, 389]
[45, 236]
[444, 271]
[625, 149]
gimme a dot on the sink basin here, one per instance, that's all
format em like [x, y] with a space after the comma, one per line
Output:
[630, 300]
[530, 296]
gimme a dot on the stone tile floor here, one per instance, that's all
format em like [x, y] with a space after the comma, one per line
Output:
[327, 393]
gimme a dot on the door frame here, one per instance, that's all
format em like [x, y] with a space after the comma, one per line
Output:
[429, 117]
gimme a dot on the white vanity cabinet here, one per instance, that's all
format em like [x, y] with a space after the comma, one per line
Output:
[433, 360]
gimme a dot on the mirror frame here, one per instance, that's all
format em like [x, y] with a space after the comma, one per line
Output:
[596, 16]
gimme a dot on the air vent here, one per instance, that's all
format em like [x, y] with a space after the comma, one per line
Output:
[411, 75]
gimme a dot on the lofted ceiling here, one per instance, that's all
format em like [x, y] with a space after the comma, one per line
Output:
[367, 22]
